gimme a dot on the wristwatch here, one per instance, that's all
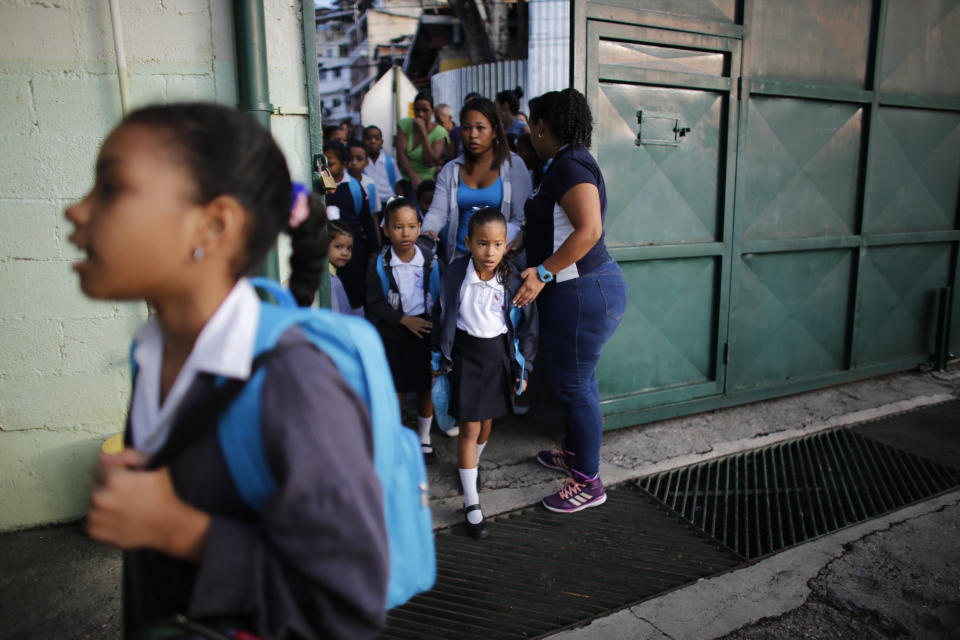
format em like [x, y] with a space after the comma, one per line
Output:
[544, 275]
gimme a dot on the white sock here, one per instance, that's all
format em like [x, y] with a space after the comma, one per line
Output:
[423, 426]
[468, 479]
[480, 451]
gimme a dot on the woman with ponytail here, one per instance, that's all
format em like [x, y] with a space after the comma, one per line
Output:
[580, 291]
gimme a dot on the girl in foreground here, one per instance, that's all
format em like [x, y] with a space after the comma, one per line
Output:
[489, 354]
[187, 199]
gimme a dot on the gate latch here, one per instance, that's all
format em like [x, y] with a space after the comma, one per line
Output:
[656, 129]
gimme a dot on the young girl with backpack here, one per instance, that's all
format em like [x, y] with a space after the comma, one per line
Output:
[486, 343]
[353, 209]
[401, 291]
[187, 199]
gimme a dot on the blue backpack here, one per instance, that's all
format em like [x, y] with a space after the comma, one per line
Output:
[355, 348]
[434, 283]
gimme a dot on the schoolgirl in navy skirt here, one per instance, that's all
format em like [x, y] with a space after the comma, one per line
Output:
[400, 304]
[485, 345]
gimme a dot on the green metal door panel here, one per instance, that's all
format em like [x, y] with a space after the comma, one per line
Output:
[790, 318]
[798, 233]
[811, 41]
[661, 191]
[721, 11]
[920, 48]
[665, 339]
[799, 169]
[954, 338]
[913, 164]
[896, 318]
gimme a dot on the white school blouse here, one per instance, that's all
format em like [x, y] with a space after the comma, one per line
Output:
[409, 278]
[223, 348]
[481, 306]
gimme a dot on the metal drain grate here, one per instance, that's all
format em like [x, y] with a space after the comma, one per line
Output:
[765, 500]
[540, 571]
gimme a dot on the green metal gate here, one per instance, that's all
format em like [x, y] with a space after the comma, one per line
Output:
[783, 183]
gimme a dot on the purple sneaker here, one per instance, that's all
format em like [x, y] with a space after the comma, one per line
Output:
[556, 459]
[577, 494]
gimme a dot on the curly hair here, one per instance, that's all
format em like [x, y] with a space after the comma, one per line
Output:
[567, 115]
[511, 98]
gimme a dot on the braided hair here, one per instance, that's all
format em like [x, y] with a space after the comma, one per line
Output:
[309, 243]
[567, 114]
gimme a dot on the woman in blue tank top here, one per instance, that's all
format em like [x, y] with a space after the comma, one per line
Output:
[486, 174]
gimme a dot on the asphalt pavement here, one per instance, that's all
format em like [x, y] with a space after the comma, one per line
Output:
[897, 576]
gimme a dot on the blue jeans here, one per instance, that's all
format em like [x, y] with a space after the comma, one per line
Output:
[577, 317]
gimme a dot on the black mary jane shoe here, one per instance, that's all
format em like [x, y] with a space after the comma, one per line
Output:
[429, 454]
[477, 531]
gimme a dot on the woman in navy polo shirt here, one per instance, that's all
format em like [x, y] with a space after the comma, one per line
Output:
[580, 290]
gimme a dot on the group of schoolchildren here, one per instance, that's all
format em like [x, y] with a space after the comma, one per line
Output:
[435, 317]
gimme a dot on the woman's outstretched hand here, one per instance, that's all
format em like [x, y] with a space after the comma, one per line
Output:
[530, 289]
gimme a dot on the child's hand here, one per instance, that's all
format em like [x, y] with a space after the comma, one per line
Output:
[418, 326]
[521, 387]
[131, 508]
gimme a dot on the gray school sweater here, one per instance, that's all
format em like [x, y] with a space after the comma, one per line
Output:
[314, 563]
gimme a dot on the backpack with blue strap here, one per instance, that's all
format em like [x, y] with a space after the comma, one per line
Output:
[433, 290]
[356, 349]
[440, 386]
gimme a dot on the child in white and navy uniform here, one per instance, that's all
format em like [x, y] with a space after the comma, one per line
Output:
[486, 346]
[403, 312]
[356, 167]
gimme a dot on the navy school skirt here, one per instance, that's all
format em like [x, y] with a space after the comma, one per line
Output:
[480, 384]
[409, 358]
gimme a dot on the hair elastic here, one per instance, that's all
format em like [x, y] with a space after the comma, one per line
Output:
[300, 206]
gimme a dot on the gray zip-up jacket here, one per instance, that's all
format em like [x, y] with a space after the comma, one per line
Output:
[517, 187]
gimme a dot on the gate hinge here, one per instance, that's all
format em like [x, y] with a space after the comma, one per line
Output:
[739, 86]
[726, 353]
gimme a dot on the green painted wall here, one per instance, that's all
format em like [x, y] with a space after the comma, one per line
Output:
[63, 374]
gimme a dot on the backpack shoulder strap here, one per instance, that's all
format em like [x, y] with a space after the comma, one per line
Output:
[391, 171]
[384, 278]
[515, 316]
[357, 191]
[239, 429]
[434, 290]
[277, 291]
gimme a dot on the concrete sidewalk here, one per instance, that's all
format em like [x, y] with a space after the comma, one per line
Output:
[897, 576]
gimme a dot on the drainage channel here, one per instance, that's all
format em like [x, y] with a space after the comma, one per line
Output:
[762, 501]
[539, 571]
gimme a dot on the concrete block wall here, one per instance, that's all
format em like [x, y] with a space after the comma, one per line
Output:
[64, 384]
